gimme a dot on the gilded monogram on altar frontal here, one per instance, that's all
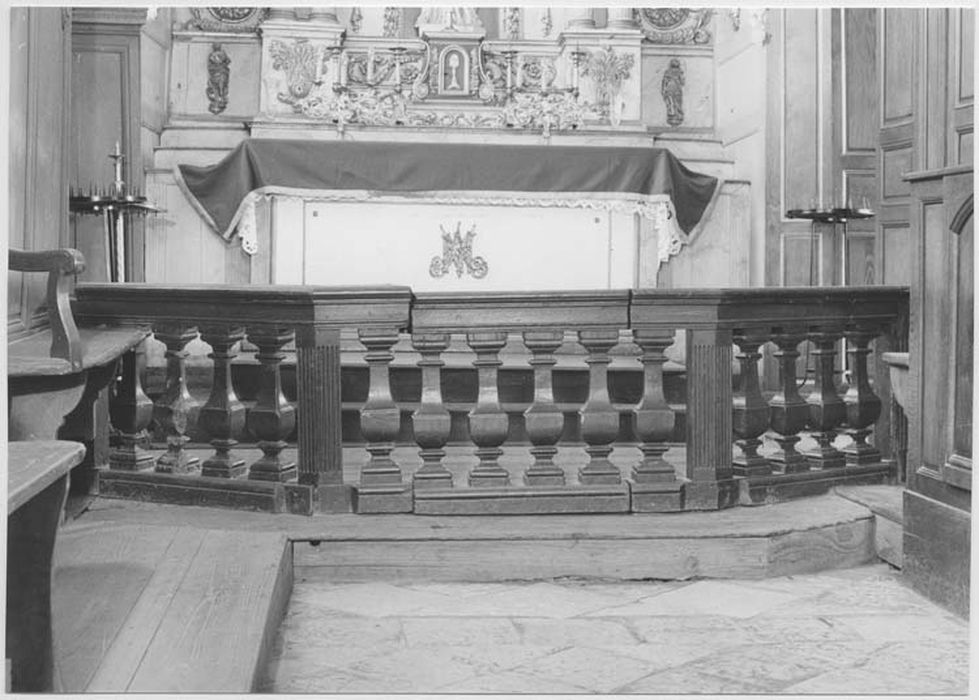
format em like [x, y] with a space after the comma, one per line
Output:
[457, 253]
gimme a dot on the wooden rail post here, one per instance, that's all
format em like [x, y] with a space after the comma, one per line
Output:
[318, 397]
[709, 415]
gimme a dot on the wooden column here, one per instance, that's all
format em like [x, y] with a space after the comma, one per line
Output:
[488, 424]
[826, 408]
[789, 411]
[431, 422]
[709, 401]
[863, 406]
[599, 419]
[543, 419]
[751, 412]
[319, 419]
[654, 483]
[173, 408]
[223, 416]
[130, 411]
[382, 488]
[272, 418]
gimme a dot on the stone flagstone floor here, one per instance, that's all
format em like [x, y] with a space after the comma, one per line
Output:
[858, 631]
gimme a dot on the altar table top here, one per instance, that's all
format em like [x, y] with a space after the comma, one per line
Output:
[274, 165]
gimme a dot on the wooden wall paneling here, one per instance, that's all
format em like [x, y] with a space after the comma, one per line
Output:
[961, 94]
[897, 254]
[106, 106]
[897, 37]
[17, 136]
[774, 138]
[962, 372]
[933, 133]
[856, 136]
[38, 165]
[936, 322]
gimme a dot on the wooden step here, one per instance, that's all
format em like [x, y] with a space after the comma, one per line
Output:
[887, 504]
[814, 534]
[161, 608]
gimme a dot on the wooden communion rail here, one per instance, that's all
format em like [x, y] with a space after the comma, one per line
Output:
[726, 333]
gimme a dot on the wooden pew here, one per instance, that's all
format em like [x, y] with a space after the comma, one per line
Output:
[37, 484]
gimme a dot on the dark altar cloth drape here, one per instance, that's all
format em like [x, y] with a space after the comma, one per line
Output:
[425, 167]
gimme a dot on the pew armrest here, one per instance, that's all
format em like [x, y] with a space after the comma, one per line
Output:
[61, 265]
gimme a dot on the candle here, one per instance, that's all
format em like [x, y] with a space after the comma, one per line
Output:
[397, 68]
[343, 68]
[370, 65]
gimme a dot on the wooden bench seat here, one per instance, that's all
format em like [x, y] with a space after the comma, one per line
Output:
[37, 484]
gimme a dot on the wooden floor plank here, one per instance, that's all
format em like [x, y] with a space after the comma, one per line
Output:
[100, 572]
[122, 660]
[214, 627]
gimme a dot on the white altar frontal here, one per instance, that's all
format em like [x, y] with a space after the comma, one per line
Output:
[446, 247]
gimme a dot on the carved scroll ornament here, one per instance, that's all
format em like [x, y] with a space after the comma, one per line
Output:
[674, 25]
[227, 19]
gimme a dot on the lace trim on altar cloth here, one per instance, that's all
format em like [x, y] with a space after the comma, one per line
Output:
[658, 209]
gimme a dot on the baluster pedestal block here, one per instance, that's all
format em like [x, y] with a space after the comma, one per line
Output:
[173, 409]
[826, 409]
[863, 406]
[272, 418]
[431, 422]
[751, 412]
[654, 487]
[223, 416]
[789, 411]
[130, 411]
[382, 488]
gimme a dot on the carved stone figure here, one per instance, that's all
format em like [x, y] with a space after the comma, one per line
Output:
[672, 91]
[218, 76]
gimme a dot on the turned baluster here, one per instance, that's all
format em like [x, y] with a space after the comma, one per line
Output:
[826, 409]
[172, 410]
[488, 424]
[380, 418]
[788, 410]
[751, 411]
[223, 415]
[272, 418]
[544, 421]
[653, 420]
[599, 419]
[131, 411]
[862, 404]
[431, 422]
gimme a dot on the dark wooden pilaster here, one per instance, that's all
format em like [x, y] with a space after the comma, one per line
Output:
[318, 399]
[223, 415]
[709, 431]
[173, 409]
